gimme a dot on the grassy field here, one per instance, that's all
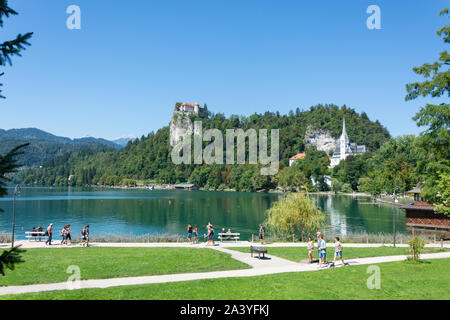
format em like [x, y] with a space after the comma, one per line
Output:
[50, 265]
[399, 280]
[301, 253]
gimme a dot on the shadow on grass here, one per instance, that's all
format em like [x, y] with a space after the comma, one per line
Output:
[410, 260]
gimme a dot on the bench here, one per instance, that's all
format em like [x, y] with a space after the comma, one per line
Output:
[35, 235]
[258, 250]
[229, 236]
[442, 241]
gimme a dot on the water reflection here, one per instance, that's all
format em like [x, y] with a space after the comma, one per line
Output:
[145, 211]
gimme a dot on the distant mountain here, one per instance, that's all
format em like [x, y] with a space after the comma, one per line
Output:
[32, 134]
[45, 146]
[99, 140]
[123, 141]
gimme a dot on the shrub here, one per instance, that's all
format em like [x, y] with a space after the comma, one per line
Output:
[416, 246]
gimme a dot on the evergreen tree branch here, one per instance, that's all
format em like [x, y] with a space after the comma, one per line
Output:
[10, 258]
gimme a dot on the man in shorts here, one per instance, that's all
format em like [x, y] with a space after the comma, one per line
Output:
[322, 251]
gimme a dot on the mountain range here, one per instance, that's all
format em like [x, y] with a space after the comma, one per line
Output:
[45, 146]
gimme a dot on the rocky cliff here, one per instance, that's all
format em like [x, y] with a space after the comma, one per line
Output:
[181, 124]
[321, 139]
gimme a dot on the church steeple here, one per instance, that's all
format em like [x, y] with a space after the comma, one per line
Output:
[344, 131]
[343, 141]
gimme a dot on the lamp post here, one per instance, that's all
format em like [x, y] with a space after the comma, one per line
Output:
[15, 194]
[393, 215]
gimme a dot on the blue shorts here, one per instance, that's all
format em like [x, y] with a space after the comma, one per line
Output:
[189, 235]
[322, 254]
[338, 254]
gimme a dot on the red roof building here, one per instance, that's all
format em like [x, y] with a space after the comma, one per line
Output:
[298, 156]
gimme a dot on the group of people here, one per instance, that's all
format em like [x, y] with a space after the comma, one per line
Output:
[322, 250]
[192, 234]
[65, 233]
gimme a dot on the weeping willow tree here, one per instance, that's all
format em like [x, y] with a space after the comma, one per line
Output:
[294, 214]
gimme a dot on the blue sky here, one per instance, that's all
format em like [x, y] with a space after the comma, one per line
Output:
[132, 60]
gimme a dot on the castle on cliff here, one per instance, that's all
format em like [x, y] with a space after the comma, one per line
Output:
[195, 108]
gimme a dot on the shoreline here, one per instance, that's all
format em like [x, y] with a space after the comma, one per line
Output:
[25, 244]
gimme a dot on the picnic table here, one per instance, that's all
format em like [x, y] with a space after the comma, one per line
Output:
[229, 236]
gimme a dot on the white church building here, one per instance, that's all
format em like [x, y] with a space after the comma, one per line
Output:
[345, 148]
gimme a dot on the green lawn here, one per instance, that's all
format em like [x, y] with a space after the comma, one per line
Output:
[399, 280]
[300, 253]
[50, 265]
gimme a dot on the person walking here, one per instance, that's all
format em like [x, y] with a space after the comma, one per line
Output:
[338, 251]
[195, 234]
[310, 249]
[189, 233]
[210, 236]
[318, 242]
[69, 235]
[49, 233]
[88, 235]
[322, 251]
[64, 235]
[85, 236]
[261, 233]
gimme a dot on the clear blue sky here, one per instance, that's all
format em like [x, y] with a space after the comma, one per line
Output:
[132, 60]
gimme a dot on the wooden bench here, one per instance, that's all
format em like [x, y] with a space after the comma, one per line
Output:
[258, 250]
[35, 235]
[229, 236]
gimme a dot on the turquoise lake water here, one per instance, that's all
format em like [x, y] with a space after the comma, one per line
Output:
[155, 211]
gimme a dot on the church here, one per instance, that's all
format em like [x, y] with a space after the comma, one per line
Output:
[345, 148]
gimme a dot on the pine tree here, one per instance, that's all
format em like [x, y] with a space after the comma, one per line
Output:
[14, 47]
[8, 163]
[9, 259]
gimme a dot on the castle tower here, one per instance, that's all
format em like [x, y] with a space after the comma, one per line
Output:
[196, 108]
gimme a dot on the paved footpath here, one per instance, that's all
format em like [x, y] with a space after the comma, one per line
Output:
[231, 244]
[270, 265]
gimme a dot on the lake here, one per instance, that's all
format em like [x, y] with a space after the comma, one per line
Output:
[157, 211]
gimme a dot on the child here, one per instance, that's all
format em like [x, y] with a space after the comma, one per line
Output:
[310, 249]
[322, 251]
[338, 251]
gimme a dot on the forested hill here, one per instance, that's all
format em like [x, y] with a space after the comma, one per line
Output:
[148, 158]
[45, 146]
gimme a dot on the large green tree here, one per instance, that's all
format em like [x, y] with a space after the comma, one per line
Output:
[294, 214]
[435, 140]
